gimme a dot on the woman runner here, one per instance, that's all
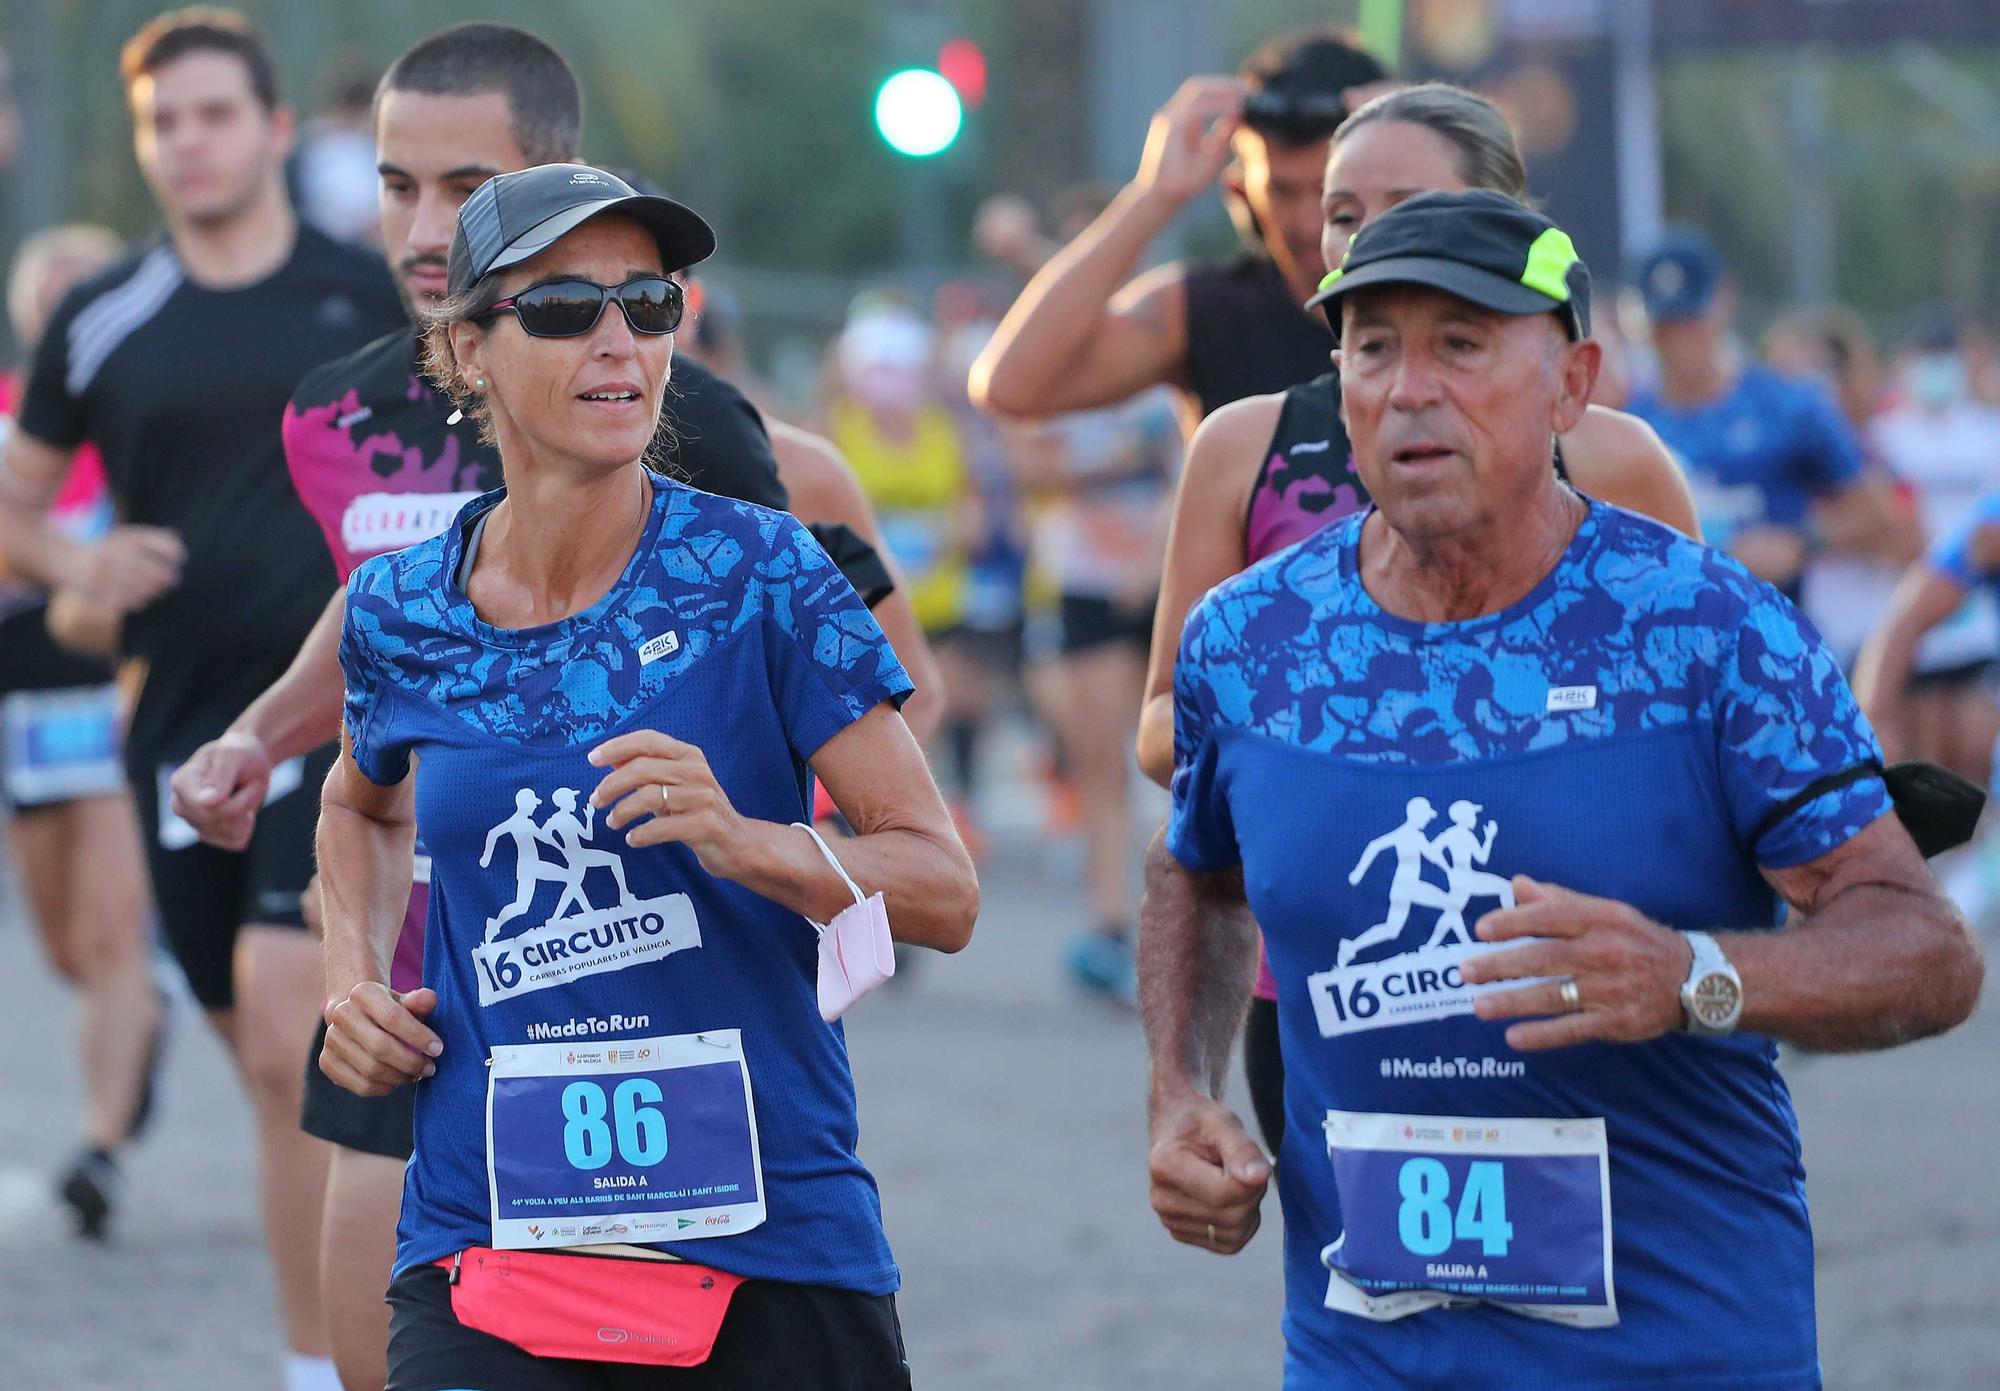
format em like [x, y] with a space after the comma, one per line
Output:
[634, 1133]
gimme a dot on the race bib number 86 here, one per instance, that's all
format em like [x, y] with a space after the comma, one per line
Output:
[642, 1140]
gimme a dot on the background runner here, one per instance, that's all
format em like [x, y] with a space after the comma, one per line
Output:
[75, 839]
[176, 364]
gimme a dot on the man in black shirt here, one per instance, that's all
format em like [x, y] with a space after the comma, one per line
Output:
[177, 364]
[1075, 339]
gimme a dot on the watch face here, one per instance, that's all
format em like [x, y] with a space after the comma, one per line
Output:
[1716, 1000]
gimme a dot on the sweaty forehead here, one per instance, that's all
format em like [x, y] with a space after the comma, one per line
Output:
[1393, 155]
[1420, 308]
[428, 135]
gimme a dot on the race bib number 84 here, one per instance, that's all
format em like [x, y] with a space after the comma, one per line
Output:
[1449, 1209]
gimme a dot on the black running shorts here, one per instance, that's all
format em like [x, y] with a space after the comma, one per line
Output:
[1091, 621]
[204, 894]
[381, 1125]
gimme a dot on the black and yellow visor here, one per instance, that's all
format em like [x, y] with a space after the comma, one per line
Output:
[1479, 245]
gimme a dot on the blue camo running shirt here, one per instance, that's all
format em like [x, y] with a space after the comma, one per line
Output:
[729, 629]
[1632, 728]
[1951, 554]
[1758, 455]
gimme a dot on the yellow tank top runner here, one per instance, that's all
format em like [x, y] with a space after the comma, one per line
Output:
[918, 487]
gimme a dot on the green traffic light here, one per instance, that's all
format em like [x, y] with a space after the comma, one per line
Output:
[918, 112]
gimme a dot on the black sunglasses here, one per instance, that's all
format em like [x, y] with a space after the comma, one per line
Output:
[570, 308]
[1297, 116]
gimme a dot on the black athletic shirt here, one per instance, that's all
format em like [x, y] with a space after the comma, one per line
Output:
[1246, 334]
[182, 389]
[1307, 477]
[713, 438]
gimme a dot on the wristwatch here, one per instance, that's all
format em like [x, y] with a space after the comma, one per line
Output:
[1712, 994]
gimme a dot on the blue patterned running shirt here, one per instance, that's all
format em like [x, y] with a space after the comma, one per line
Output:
[729, 629]
[1758, 455]
[1951, 555]
[1639, 726]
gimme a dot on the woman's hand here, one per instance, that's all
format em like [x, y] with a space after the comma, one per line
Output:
[376, 1039]
[905, 847]
[667, 785]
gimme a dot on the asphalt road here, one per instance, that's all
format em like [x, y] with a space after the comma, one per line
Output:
[1003, 1115]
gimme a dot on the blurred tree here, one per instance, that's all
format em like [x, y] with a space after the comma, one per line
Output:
[1039, 100]
[1252, 22]
[1914, 193]
[758, 112]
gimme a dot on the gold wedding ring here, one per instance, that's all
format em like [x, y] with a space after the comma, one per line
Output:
[665, 805]
[1572, 1002]
[1211, 1234]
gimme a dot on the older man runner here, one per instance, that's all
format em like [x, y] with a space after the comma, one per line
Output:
[1572, 1155]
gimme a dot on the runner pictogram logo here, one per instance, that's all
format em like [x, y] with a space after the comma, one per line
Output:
[565, 833]
[597, 922]
[1440, 872]
[1460, 851]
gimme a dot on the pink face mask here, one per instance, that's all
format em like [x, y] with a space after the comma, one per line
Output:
[855, 950]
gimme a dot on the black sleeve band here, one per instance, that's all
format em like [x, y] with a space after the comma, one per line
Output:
[1812, 791]
[1937, 807]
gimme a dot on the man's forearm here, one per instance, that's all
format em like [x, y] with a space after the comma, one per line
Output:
[301, 710]
[1840, 983]
[33, 551]
[1197, 964]
[1052, 324]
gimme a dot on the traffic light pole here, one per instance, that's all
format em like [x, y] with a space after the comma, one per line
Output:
[925, 240]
